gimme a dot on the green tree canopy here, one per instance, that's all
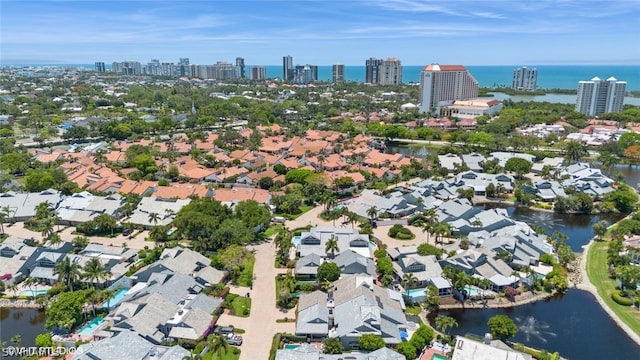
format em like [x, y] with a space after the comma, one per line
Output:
[328, 271]
[502, 327]
[371, 342]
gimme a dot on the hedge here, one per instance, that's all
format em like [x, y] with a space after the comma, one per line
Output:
[621, 300]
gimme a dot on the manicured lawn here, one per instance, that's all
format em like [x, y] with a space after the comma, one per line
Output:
[246, 277]
[413, 310]
[241, 306]
[303, 209]
[272, 230]
[599, 276]
[228, 355]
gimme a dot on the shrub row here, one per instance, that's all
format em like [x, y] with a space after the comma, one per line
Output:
[620, 299]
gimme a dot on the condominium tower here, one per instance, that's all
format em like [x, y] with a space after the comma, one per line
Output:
[525, 78]
[373, 70]
[258, 73]
[287, 68]
[240, 74]
[600, 96]
[338, 73]
[390, 72]
[440, 85]
[100, 68]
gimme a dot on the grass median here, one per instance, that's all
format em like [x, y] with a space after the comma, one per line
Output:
[597, 270]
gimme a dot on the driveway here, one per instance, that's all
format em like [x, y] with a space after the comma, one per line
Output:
[261, 324]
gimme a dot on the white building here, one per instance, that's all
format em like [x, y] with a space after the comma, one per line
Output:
[390, 72]
[440, 85]
[600, 96]
[465, 109]
[525, 78]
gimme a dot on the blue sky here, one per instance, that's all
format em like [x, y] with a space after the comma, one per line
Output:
[322, 32]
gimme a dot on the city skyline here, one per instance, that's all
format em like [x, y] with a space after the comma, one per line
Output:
[416, 32]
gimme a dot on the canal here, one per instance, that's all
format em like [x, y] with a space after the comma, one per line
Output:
[28, 323]
[573, 324]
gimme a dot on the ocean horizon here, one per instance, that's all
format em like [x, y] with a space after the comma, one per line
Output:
[549, 76]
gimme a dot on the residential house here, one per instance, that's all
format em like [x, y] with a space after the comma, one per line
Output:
[16, 258]
[467, 349]
[310, 352]
[22, 206]
[449, 161]
[353, 307]
[483, 263]
[128, 345]
[168, 305]
[314, 241]
[424, 269]
[474, 161]
[152, 211]
[84, 206]
[504, 156]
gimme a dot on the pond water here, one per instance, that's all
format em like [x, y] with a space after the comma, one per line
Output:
[574, 325]
[578, 228]
[28, 323]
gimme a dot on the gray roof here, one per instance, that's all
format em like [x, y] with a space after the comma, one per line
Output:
[127, 345]
[310, 352]
[350, 262]
[308, 265]
[23, 205]
[315, 240]
[467, 349]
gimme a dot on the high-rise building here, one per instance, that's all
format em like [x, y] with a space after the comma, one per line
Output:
[183, 68]
[168, 69]
[127, 68]
[373, 70]
[440, 85]
[100, 68]
[390, 72]
[287, 68]
[240, 74]
[258, 73]
[525, 78]
[600, 96]
[153, 67]
[338, 73]
[305, 74]
[223, 70]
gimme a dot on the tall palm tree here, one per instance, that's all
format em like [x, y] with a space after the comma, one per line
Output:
[445, 322]
[331, 246]
[352, 218]
[67, 271]
[43, 210]
[409, 281]
[94, 271]
[154, 217]
[575, 151]
[372, 213]
[107, 294]
[48, 225]
[217, 344]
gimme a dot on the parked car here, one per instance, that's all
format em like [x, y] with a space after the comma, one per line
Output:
[127, 231]
[224, 330]
[233, 339]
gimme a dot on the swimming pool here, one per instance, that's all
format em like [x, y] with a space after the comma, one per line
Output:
[91, 326]
[291, 346]
[32, 293]
[438, 357]
[413, 293]
[296, 240]
[115, 299]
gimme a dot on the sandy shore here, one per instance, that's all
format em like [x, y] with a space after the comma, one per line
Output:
[588, 286]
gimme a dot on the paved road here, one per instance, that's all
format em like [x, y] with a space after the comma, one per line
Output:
[261, 324]
[137, 243]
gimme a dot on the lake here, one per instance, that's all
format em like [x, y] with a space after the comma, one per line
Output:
[573, 324]
[29, 323]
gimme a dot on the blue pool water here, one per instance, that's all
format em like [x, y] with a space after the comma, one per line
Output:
[415, 293]
[91, 326]
[116, 299]
[291, 346]
[32, 293]
[296, 240]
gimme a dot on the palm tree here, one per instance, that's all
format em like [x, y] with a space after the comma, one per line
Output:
[331, 247]
[608, 161]
[352, 218]
[47, 227]
[445, 322]
[43, 210]
[107, 294]
[67, 271]
[574, 151]
[372, 213]
[13, 288]
[409, 281]
[94, 271]
[192, 356]
[31, 281]
[217, 344]
[3, 218]
[154, 218]
[476, 223]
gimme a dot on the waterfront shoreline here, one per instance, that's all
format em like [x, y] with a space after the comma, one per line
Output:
[19, 304]
[587, 286]
[500, 302]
